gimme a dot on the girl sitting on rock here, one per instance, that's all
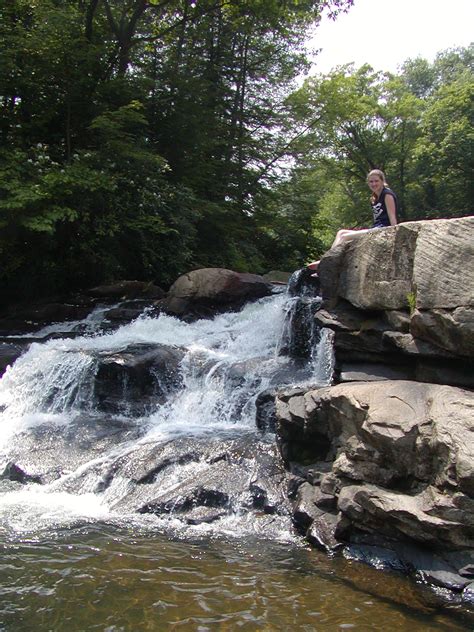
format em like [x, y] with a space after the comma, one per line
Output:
[384, 207]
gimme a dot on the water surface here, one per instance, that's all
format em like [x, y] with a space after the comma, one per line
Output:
[107, 578]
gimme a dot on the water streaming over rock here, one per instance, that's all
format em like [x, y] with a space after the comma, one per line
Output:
[133, 463]
[157, 419]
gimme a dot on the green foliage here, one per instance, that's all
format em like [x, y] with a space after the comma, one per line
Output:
[416, 127]
[445, 151]
[142, 139]
[137, 136]
[411, 300]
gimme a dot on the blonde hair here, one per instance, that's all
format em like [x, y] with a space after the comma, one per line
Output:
[379, 174]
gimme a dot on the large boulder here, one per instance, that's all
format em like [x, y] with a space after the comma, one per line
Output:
[381, 270]
[207, 291]
[404, 296]
[389, 461]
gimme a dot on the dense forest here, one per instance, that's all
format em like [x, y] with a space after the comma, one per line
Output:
[144, 138]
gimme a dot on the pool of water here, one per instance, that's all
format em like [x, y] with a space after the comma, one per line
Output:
[110, 578]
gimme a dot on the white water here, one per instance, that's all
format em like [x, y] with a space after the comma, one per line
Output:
[227, 362]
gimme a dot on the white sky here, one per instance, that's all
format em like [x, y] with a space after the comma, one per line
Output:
[385, 33]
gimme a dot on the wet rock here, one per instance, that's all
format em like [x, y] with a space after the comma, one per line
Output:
[321, 533]
[127, 311]
[9, 352]
[313, 515]
[204, 515]
[468, 593]
[179, 503]
[137, 379]
[25, 319]
[193, 479]
[12, 472]
[123, 290]
[265, 417]
[297, 441]
[48, 451]
[303, 283]
[53, 312]
[305, 510]
[428, 567]
[303, 331]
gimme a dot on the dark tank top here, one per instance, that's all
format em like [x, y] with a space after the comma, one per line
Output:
[381, 219]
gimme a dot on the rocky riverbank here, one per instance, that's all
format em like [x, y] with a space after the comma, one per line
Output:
[379, 466]
[383, 462]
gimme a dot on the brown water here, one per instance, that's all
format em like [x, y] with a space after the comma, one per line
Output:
[104, 578]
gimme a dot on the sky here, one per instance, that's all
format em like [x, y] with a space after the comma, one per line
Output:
[385, 33]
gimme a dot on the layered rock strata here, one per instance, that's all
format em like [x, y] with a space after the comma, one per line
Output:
[401, 303]
[383, 462]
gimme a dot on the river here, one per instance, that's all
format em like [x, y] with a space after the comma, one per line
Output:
[79, 555]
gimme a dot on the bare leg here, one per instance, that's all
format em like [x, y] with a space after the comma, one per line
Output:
[342, 236]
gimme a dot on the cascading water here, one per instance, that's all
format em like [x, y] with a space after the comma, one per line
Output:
[136, 491]
[192, 452]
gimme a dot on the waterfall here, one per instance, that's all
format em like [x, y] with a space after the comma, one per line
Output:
[49, 403]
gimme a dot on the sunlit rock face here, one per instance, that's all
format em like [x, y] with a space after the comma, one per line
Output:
[404, 297]
[388, 463]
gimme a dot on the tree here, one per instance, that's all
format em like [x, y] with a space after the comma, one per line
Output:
[444, 152]
[352, 121]
[415, 126]
[139, 137]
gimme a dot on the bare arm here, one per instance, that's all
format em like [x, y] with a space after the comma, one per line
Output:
[391, 209]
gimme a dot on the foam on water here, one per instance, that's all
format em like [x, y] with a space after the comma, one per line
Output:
[57, 377]
[35, 508]
[227, 362]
